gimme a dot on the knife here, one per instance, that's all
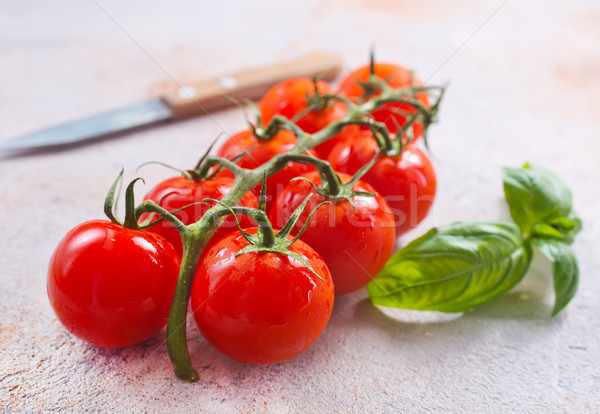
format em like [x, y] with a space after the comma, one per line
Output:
[183, 102]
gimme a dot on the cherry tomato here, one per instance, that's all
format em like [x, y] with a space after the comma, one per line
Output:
[289, 98]
[259, 152]
[354, 244]
[112, 286]
[395, 76]
[178, 192]
[260, 308]
[406, 181]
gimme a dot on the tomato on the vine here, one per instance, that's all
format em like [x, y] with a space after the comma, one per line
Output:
[257, 151]
[407, 181]
[355, 244]
[292, 97]
[396, 77]
[178, 192]
[112, 286]
[260, 307]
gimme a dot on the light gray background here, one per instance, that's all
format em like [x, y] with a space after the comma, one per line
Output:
[523, 87]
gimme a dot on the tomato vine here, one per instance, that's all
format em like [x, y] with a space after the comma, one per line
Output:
[196, 236]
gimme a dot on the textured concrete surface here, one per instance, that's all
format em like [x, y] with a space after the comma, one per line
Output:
[523, 87]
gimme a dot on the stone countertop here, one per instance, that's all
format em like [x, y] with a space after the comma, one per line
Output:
[523, 86]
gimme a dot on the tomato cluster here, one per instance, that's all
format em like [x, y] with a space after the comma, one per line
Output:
[112, 284]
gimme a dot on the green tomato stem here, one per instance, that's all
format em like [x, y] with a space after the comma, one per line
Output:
[210, 161]
[176, 325]
[332, 182]
[268, 235]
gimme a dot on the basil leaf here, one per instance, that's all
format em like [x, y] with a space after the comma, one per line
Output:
[565, 270]
[453, 268]
[565, 224]
[543, 230]
[568, 226]
[535, 195]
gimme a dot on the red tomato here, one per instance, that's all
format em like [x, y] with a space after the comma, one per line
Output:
[260, 308]
[112, 286]
[261, 151]
[288, 99]
[395, 76]
[178, 192]
[406, 181]
[354, 244]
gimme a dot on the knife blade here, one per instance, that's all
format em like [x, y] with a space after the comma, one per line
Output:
[183, 102]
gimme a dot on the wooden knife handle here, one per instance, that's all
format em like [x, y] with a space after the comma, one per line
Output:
[203, 97]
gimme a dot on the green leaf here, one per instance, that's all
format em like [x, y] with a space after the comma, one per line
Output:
[565, 270]
[565, 223]
[543, 230]
[453, 268]
[568, 226]
[535, 195]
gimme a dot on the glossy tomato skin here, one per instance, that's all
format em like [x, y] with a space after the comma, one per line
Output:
[177, 192]
[406, 181]
[395, 76]
[354, 244]
[288, 99]
[260, 308]
[112, 286]
[261, 151]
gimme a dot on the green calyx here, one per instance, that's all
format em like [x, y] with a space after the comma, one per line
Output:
[265, 239]
[259, 130]
[265, 132]
[202, 170]
[207, 166]
[331, 185]
[393, 143]
[316, 101]
[131, 214]
[425, 114]
[255, 123]
[199, 172]
[376, 85]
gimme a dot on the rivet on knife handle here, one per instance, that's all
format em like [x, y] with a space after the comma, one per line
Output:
[190, 100]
